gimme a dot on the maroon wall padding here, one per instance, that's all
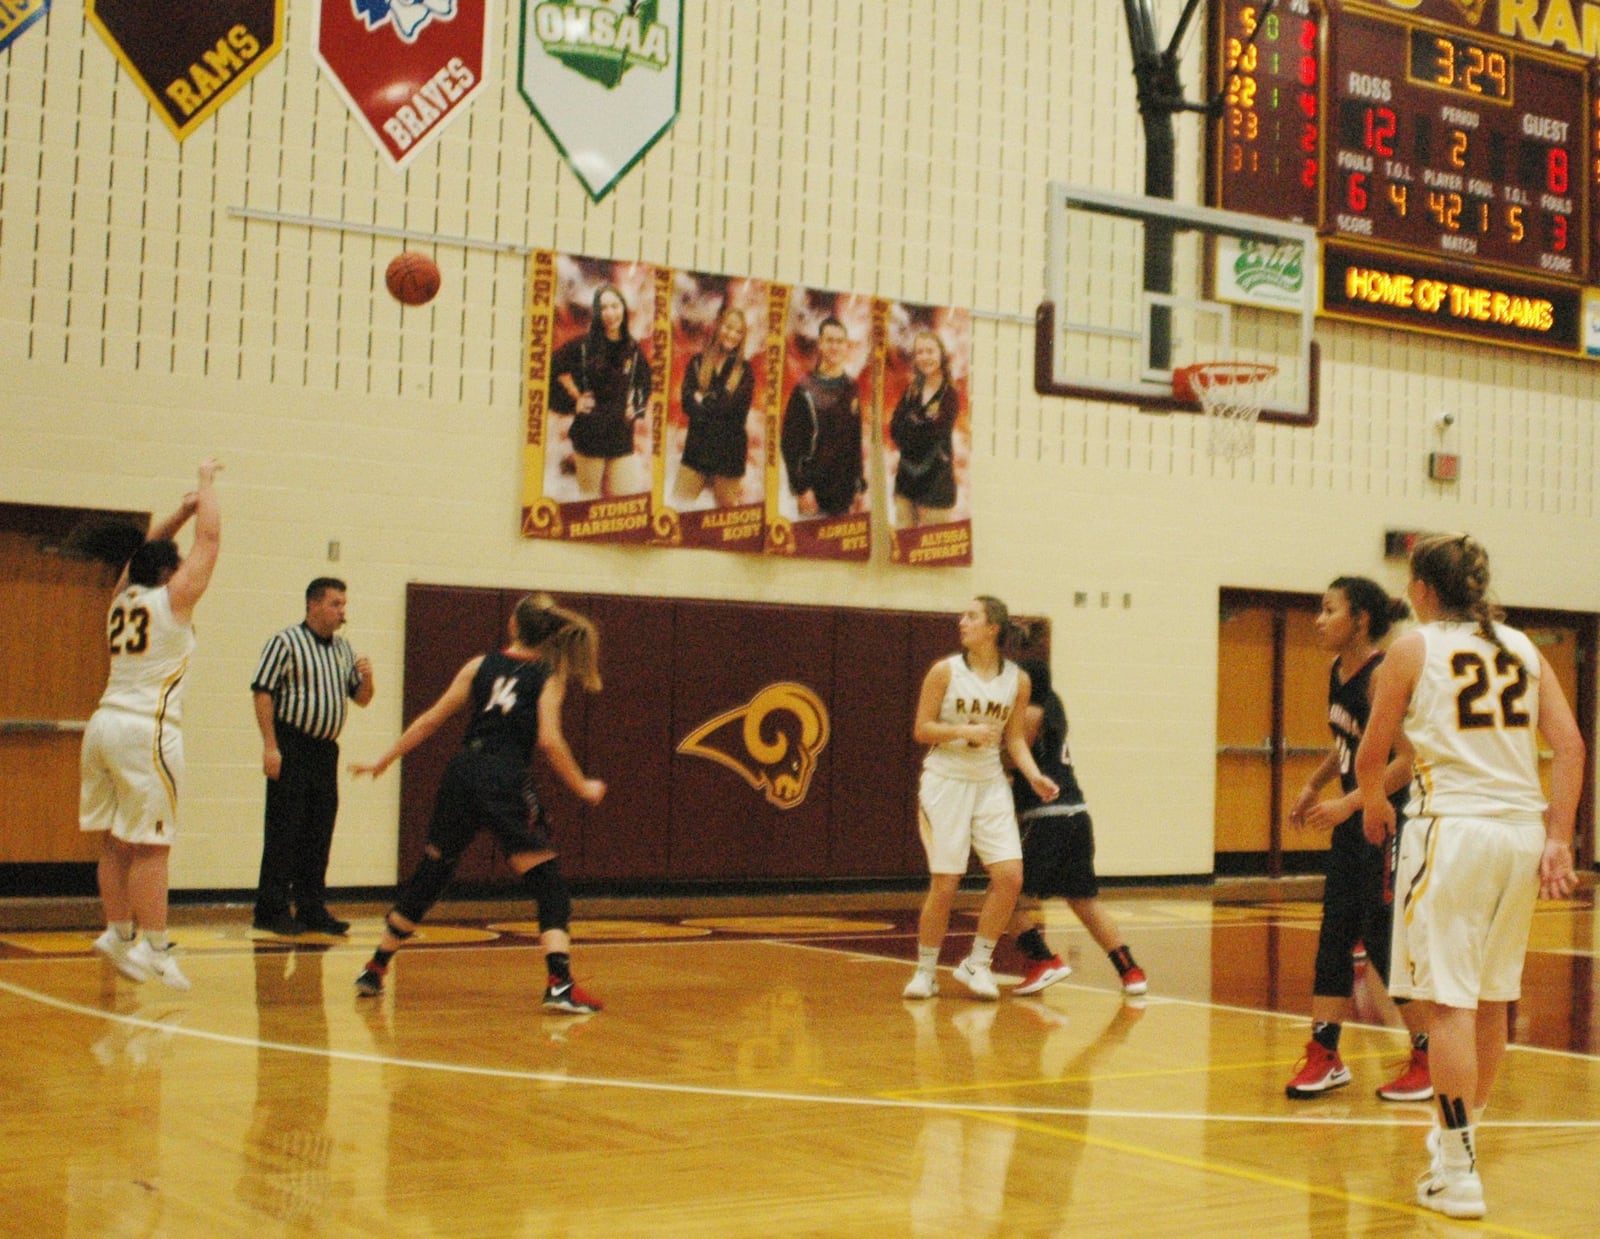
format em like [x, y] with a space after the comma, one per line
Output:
[444, 628]
[671, 666]
[723, 655]
[625, 738]
[874, 760]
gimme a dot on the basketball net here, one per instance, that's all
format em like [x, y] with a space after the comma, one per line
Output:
[1231, 394]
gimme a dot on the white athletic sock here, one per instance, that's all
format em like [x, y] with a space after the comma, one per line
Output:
[1460, 1147]
[927, 958]
[124, 929]
[982, 949]
[157, 938]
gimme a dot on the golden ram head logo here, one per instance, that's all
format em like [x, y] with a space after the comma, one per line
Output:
[771, 742]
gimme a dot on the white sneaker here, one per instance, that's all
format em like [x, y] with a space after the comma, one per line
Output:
[116, 949]
[158, 964]
[1451, 1191]
[978, 979]
[923, 984]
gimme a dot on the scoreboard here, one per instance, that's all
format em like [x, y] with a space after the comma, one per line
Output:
[1452, 167]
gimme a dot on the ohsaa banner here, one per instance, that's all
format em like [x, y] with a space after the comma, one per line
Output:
[189, 59]
[604, 78]
[599, 353]
[17, 15]
[407, 68]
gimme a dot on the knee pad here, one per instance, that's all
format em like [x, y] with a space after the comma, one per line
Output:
[425, 885]
[549, 890]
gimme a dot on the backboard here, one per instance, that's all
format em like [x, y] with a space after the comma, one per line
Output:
[1138, 286]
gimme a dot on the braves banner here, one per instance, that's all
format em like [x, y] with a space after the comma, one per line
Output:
[407, 68]
[927, 432]
[188, 59]
[716, 448]
[604, 78]
[817, 501]
[17, 15]
[599, 357]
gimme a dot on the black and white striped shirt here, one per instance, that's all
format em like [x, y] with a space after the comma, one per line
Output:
[310, 680]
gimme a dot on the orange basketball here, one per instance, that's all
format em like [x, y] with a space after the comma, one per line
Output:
[413, 278]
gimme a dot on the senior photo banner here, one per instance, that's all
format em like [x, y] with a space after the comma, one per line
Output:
[927, 433]
[17, 15]
[599, 355]
[719, 397]
[189, 59]
[604, 78]
[817, 499]
[406, 68]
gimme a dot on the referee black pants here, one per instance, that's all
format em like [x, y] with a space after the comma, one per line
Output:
[302, 803]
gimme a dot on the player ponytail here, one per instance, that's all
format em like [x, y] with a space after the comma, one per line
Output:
[1042, 695]
[1456, 568]
[569, 642]
[1367, 597]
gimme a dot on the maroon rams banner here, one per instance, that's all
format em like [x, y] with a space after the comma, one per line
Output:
[407, 68]
[189, 59]
[927, 432]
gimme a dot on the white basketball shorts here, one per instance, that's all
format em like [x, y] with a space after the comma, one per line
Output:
[1464, 892]
[958, 816]
[129, 772]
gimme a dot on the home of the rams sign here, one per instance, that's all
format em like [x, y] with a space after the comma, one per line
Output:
[603, 77]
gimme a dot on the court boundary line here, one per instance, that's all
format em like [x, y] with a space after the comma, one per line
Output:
[366, 1058]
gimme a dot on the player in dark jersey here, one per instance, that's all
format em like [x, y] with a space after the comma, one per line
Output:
[1357, 899]
[515, 698]
[1058, 849]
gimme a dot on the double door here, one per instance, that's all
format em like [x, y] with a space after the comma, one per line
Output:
[1272, 722]
[53, 665]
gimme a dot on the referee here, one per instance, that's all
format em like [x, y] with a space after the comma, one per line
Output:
[305, 676]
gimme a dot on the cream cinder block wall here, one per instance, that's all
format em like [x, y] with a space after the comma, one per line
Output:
[894, 149]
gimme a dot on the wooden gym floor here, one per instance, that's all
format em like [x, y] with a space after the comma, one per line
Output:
[754, 1074]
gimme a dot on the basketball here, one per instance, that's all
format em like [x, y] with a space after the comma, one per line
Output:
[413, 278]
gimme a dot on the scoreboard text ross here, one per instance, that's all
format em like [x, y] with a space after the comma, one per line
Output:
[1469, 157]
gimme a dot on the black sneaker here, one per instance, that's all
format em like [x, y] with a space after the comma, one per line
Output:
[325, 924]
[370, 983]
[285, 925]
[566, 996]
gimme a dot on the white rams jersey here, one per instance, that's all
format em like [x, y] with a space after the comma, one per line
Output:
[969, 699]
[149, 653]
[1473, 721]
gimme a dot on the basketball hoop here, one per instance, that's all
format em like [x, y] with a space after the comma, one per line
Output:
[1231, 393]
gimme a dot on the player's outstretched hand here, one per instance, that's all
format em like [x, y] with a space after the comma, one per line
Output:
[209, 468]
[1556, 877]
[1046, 788]
[592, 791]
[1378, 824]
[1326, 814]
[374, 768]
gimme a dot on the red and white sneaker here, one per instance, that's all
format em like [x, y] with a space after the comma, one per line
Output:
[1320, 1072]
[567, 997]
[1041, 974]
[1134, 981]
[1415, 1083]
